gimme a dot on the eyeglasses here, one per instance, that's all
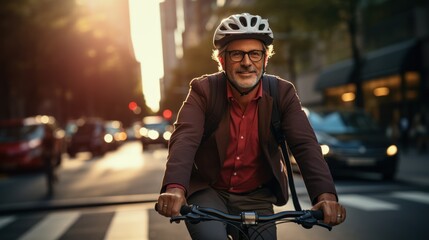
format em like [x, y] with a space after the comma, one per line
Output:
[238, 55]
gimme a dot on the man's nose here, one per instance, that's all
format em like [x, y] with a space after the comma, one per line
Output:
[246, 60]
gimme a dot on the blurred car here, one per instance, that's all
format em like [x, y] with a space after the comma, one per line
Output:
[155, 130]
[351, 140]
[88, 137]
[115, 134]
[133, 131]
[26, 143]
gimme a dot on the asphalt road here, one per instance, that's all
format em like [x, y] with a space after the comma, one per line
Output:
[112, 198]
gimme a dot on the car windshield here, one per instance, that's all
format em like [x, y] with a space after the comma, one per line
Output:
[338, 122]
[88, 129]
[20, 133]
[155, 122]
[157, 126]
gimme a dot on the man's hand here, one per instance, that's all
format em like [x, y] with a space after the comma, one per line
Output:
[334, 213]
[170, 202]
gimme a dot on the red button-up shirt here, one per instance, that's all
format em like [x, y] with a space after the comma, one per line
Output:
[243, 170]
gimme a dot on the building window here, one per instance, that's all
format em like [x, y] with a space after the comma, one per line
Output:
[341, 96]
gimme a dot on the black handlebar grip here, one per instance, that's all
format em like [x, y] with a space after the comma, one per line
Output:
[318, 214]
[185, 209]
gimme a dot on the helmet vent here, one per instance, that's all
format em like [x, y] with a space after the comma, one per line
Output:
[261, 26]
[253, 21]
[233, 26]
[243, 21]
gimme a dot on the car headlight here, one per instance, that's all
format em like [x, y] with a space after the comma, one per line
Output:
[391, 150]
[325, 149]
[143, 132]
[167, 135]
[108, 138]
[152, 134]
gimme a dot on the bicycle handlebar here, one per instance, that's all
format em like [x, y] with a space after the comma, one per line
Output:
[306, 218]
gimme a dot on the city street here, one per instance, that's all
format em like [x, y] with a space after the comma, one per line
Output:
[112, 197]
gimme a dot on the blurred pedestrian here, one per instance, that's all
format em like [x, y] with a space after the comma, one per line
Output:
[393, 130]
[419, 133]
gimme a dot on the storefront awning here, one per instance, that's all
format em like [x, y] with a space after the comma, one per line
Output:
[390, 60]
[386, 61]
[335, 75]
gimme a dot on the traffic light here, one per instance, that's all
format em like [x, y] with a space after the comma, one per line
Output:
[132, 106]
[167, 114]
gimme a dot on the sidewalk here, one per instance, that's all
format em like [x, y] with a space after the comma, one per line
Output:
[414, 168]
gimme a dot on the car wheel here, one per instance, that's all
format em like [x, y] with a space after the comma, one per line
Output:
[388, 174]
[72, 154]
[59, 160]
[145, 146]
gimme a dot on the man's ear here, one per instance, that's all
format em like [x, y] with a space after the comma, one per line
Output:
[266, 61]
[221, 60]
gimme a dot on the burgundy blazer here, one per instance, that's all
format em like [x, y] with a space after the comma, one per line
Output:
[196, 165]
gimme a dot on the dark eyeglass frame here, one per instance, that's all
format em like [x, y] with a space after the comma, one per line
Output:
[254, 55]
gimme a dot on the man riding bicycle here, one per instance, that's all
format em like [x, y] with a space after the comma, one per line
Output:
[238, 167]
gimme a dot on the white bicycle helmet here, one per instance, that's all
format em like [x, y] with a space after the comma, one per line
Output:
[242, 26]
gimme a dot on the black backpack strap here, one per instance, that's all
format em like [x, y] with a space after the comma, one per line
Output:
[216, 103]
[270, 83]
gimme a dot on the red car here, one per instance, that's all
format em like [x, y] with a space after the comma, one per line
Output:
[26, 143]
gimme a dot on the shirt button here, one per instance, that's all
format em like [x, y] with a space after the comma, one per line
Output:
[235, 173]
[241, 137]
[238, 158]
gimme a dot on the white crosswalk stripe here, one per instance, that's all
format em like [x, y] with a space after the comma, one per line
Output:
[367, 203]
[133, 222]
[6, 220]
[130, 225]
[419, 197]
[51, 227]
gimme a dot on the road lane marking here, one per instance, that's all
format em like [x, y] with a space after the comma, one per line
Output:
[130, 225]
[52, 226]
[6, 220]
[366, 203]
[419, 197]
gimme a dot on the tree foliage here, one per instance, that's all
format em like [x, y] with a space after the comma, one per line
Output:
[59, 58]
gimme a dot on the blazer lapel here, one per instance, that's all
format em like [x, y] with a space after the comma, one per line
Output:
[265, 107]
[222, 136]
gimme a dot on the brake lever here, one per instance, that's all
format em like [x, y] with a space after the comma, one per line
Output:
[190, 217]
[177, 218]
[324, 225]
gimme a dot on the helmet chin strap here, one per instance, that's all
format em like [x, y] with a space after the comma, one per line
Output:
[243, 93]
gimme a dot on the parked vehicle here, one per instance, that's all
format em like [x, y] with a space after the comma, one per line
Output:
[89, 137]
[115, 134]
[155, 130]
[28, 144]
[351, 140]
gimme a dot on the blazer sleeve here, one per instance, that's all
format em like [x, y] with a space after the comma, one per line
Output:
[187, 135]
[303, 144]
